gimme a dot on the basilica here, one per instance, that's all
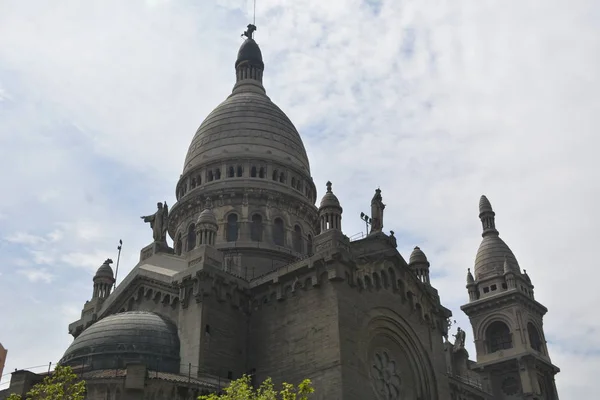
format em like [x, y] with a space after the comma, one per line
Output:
[261, 280]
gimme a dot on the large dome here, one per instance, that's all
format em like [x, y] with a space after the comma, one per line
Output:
[247, 124]
[133, 336]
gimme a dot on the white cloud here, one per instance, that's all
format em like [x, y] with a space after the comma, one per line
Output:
[435, 101]
[35, 275]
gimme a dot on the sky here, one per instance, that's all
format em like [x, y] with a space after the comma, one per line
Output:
[435, 101]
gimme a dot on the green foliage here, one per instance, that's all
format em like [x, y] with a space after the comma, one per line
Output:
[63, 384]
[242, 389]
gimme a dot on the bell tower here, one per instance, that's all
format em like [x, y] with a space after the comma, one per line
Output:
[512, 355]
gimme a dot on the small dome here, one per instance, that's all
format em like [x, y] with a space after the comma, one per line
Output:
[417, 257]
[330, 199]
[122, 338]
[105, 270]
[484, 205]
[491, 255]
[250, 52]
[207, 216]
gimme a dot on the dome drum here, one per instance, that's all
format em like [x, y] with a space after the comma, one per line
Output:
[240, 172]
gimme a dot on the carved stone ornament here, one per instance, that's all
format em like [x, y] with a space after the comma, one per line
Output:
[384, 375]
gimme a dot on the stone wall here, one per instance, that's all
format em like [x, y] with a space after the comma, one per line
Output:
[297, 336]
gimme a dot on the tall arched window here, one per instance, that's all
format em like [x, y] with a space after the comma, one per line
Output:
[281, 177]
[231, 172]
[261, 172]
[309, 245]
[278, 232]
[210, 176]
[240, 171]
[297, 239]
[191, 239]
[178, 245]
[499, 337]
[253, 172]
[275, 175]
[256, 228]
[535, 341]
[293, 182]
[217, 173]
[232, 228]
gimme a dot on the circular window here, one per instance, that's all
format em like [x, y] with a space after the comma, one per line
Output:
[510, 386]
[385, 376]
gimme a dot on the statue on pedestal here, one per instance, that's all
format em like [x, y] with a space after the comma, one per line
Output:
[159, 222]
[377, 207]
[460, 337]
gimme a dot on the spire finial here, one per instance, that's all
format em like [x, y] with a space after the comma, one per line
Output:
[250, 31]
[487, 217]
[328, 184]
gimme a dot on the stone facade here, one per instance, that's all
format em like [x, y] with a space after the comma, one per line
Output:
[262, 282]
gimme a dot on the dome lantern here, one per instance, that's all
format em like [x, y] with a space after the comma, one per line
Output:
[419, 265]
[207, 225]
[103, 280]
[330, 211]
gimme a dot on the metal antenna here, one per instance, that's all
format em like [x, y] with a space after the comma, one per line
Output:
[254, 16]
[118, 258]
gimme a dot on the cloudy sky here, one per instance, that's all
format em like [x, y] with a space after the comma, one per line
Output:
[435, 101]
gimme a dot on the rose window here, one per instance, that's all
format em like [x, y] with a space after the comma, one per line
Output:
[385, 376]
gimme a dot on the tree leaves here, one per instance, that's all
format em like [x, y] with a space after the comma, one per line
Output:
[63, 384]
[241, 389]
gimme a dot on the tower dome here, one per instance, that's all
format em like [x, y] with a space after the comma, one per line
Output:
[249, 158]
[492, 252]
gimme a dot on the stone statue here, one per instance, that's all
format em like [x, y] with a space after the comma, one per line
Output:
[159, 222]
[460, 336]
[377, 207]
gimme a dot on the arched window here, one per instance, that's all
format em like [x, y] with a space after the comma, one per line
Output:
[253, 172]
[275, 175]
[218, 174]
[256, 228]
[232, 228]
[535, 341]
[261, 172]
[191, 239]
[199, 180]
[231, 172]
[309, 245]
[294, 182]
[281, 177]
[193, 183]
[278, 232]
[297, 239]
[498, 337]
[240, 171]
[178, 245]
[210, 176]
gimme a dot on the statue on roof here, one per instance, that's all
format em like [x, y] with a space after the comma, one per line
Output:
[248, 33]
[159, 222]
[460, 337]
[377, 208]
